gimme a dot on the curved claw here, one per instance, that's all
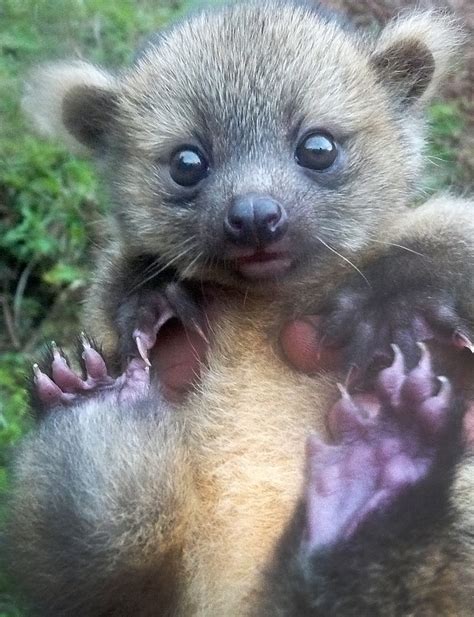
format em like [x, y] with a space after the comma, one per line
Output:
[461, 341]
[200, 331]
[346, 417]
[142, 350]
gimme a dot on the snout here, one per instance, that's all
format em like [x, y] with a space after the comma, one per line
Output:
[255, 227]
[255, 221]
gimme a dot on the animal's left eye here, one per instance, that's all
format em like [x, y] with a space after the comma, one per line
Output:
[316, 151]
[188, 166]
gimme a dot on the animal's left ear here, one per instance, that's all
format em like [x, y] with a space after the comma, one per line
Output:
[414, 53]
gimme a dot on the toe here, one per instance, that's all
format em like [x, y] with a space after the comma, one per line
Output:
[48, 392]
[390, 380]
[65, 378]
[418, 384]
[95, 366]
[347, 418]
[434, 411]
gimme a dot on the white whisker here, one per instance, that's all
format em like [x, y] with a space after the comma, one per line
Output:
[372, 239]
[162, 268]
[245, 297]
[344, 259]
[156, 261]
[400, 246]
[190, 266]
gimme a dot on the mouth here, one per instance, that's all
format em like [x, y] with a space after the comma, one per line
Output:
[261, 264]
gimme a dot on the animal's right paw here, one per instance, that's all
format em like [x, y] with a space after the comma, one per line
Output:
[56, 385]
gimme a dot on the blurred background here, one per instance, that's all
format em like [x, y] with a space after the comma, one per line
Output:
[50, 201]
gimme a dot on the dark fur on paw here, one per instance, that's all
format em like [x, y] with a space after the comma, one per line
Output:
[55, 385]
[142, 314]
[364, 316]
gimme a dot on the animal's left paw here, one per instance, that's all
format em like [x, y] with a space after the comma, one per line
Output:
[362, 321]
[386, 442]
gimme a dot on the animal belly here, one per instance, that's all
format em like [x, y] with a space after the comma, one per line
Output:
[255, 415]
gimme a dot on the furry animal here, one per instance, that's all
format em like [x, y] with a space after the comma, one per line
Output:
[257, 154]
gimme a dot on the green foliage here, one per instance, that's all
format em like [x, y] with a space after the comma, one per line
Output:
[13, 421]
[446, 126]
[49, 199]
[12, 402]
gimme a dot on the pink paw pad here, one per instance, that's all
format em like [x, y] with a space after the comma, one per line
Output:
[60, 386]
[385, 442]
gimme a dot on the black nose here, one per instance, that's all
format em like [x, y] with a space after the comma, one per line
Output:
[255, 220]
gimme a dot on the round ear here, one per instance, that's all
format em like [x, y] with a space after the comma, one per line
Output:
[414, 53]
[74, 101]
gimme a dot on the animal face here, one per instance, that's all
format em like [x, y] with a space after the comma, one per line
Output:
[248, 142]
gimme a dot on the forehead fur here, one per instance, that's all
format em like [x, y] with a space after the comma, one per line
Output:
[243, 68]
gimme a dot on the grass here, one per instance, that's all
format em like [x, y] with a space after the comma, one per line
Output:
[49, 198]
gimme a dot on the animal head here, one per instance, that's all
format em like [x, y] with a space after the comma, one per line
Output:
[252, 140]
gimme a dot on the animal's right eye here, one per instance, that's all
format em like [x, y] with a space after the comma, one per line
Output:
[188, 166]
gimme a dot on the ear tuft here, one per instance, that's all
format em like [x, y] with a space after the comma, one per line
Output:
[415, 52]
[72, 101]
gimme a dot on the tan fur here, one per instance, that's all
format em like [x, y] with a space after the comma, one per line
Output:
[46, 89]
[255, 424]
[252, 453]
[433, 26]
[248, 424]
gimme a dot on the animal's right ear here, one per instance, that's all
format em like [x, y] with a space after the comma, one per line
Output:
[74, 101]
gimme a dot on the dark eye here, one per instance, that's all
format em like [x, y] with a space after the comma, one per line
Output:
[316, 151]
[188, 166]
